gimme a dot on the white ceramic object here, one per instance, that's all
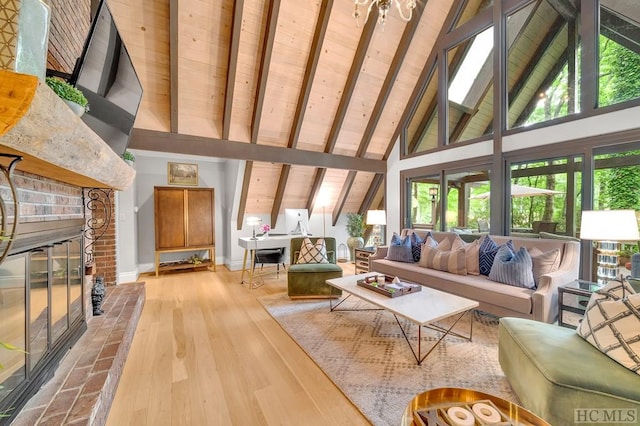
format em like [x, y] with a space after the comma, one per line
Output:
[76, 108]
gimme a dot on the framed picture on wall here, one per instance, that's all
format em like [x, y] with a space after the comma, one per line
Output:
[182, 174]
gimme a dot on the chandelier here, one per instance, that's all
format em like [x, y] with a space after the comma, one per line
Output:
[383, 9]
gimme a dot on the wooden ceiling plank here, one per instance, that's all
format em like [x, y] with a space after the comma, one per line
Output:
[265, 62]
[152, 140]
[232, 66]
[243, 194]
[390, 79]
[367, 202]
[354, 72]
[310, 72]
[173, 64]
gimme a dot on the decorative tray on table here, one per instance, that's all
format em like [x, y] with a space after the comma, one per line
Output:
[393, 288]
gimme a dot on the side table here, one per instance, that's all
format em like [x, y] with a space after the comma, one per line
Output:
[582, 290]
[362, 259]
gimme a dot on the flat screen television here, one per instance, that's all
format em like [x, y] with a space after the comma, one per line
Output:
[297, 221]
[106, 76]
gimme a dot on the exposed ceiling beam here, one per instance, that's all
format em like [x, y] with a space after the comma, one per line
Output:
[173, 64]
[342, 198]
[374, 187]
[243, 194]
[232, 66]
[277, 199]
[303, 99]
[265, 63]
[315, 188]
[152, 140]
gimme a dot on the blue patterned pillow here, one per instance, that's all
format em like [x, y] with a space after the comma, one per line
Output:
[400, 249]
[513, 267]
[416, 246]
[487, 253]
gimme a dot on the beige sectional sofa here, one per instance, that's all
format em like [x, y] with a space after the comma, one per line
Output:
[499, 299]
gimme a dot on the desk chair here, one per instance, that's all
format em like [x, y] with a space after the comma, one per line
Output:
[270, 256]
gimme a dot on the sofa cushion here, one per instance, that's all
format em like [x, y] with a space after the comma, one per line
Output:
[453, 261]
[487, 253]
[400, 249]
[513, 267]
[612, 323]
[472, 254]
[544, 263]
[416, 246]
[431, 243]
[313, 253]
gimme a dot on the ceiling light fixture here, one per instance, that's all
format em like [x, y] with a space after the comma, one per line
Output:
[383, 9]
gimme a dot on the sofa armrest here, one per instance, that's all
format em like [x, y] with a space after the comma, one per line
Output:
[380, 253]
[545, 298]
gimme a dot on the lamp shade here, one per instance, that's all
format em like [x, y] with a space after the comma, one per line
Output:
[253, 221]
[609, 225]
[376, 217]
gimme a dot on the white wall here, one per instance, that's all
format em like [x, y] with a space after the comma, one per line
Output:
[126, 236]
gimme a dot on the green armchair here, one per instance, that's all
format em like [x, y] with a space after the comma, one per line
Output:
[308, 280]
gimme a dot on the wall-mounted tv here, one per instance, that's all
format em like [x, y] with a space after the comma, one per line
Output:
[106, 76]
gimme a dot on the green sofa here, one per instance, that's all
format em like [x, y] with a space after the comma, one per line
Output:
[308, 280]
[562, 378]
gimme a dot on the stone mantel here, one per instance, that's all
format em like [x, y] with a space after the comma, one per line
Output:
[53, 141]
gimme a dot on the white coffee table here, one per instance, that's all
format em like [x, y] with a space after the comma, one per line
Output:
[424, 308]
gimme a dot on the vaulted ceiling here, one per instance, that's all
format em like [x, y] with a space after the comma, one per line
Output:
[311, 100]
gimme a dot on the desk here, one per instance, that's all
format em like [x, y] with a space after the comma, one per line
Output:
[250, 246]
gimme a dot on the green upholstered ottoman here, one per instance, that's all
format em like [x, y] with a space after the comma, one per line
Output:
[558, 375]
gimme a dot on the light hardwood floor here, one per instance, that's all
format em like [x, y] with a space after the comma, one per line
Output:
[207, 353]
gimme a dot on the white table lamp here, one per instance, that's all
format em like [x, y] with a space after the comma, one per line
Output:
[254, 221]
[376, 218]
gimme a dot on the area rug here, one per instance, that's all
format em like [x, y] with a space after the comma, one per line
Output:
[365, 354]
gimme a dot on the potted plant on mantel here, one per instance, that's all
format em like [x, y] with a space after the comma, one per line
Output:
[355, 229]
[72, 96]
[129, 158]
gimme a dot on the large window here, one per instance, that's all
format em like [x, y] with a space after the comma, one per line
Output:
[619, 52]
[468, 201]
[542, 74]
[424, 198]
[546, 196]
[470, 87]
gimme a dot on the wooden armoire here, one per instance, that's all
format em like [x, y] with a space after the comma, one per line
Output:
[184, 221]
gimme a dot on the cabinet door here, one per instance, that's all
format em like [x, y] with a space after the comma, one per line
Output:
[200, 221]
[170, 218]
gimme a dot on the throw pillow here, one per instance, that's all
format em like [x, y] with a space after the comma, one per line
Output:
[400, 249]
[416, 246]
[313, 253]
[612, 324]
[487, 253]
[453, 261]
[513, 267]
[544, 263]
[472, 254]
